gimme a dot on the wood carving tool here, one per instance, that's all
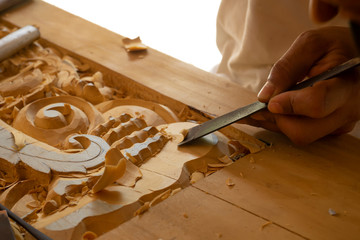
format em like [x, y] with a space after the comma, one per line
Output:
[15, 41]
[33, 231]
[240, 113]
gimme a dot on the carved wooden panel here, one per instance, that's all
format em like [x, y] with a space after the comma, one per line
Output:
[78, 157]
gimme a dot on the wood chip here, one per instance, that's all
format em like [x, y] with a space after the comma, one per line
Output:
[115, 166]
[218, 165]
[33, 204]
[19, 139]
[134, 45]
[89, 235]
[203, 167]
[175, 191]
[196, 176]
[332, 212]
[225, 159]
[266, 224]
[142, 209]
[208, 173]
[230, 182]
[161, 197]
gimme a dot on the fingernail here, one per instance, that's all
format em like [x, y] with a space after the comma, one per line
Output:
[275, 107]
[266, 92]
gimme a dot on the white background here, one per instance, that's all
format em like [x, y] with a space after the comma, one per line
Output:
[184, 29]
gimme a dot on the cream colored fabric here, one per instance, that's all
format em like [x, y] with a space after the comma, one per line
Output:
[253, 34]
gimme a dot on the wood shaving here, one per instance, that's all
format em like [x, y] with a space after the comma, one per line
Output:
[225, 159]
[332, 212]
[34, 204]
[89, 235]
[63, 207]
[266, 224]
[253, 146]
[134, 45]
[208, 173]
[4, 184]
[196, 176]
[214, 169]
[230, 182]
[219, 165]
[19, 139]
[73, 203]
[142, 209]
[184, 133]
[115, 166]
[175, 191]
[160, 197]
[252, 160]
[203, 167]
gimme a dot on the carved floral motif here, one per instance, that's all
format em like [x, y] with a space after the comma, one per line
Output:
[73, 152]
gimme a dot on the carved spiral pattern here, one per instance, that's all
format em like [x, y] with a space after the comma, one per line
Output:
[52, 120]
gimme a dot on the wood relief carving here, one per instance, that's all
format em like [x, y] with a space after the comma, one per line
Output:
[76, 157]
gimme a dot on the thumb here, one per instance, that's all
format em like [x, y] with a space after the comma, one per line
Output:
[320, 11]
[295, 64]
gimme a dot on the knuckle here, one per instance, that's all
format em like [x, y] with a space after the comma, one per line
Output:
[310, 36]
[316, 105]
[281, 66]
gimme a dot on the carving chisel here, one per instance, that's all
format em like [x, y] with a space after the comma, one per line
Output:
[234, 116]
[15, 41]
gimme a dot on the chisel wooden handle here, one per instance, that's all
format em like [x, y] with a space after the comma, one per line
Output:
[15, 41]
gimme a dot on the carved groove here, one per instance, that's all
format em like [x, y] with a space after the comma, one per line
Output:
[140, 152]
[135, 137]
[102, 129]
[124, 129]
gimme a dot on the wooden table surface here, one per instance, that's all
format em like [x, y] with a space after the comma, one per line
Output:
[282, 192]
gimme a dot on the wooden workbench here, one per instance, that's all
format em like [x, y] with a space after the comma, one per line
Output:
[282, 192]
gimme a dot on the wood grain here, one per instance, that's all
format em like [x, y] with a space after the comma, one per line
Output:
[292, 187]
[207, 217]
[296, 187]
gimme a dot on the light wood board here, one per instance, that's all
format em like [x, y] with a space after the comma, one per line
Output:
[292, 187]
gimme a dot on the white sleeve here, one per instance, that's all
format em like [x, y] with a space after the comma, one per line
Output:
[253, 34]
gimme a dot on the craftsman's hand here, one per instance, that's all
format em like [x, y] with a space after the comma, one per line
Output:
[329, 107]
[324, 10]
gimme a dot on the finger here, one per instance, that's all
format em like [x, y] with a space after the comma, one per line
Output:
[324, 10]
[264, 119]
[345, 129]
[321, 11]
[294, 65]
[303, 130]
[316, 102]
